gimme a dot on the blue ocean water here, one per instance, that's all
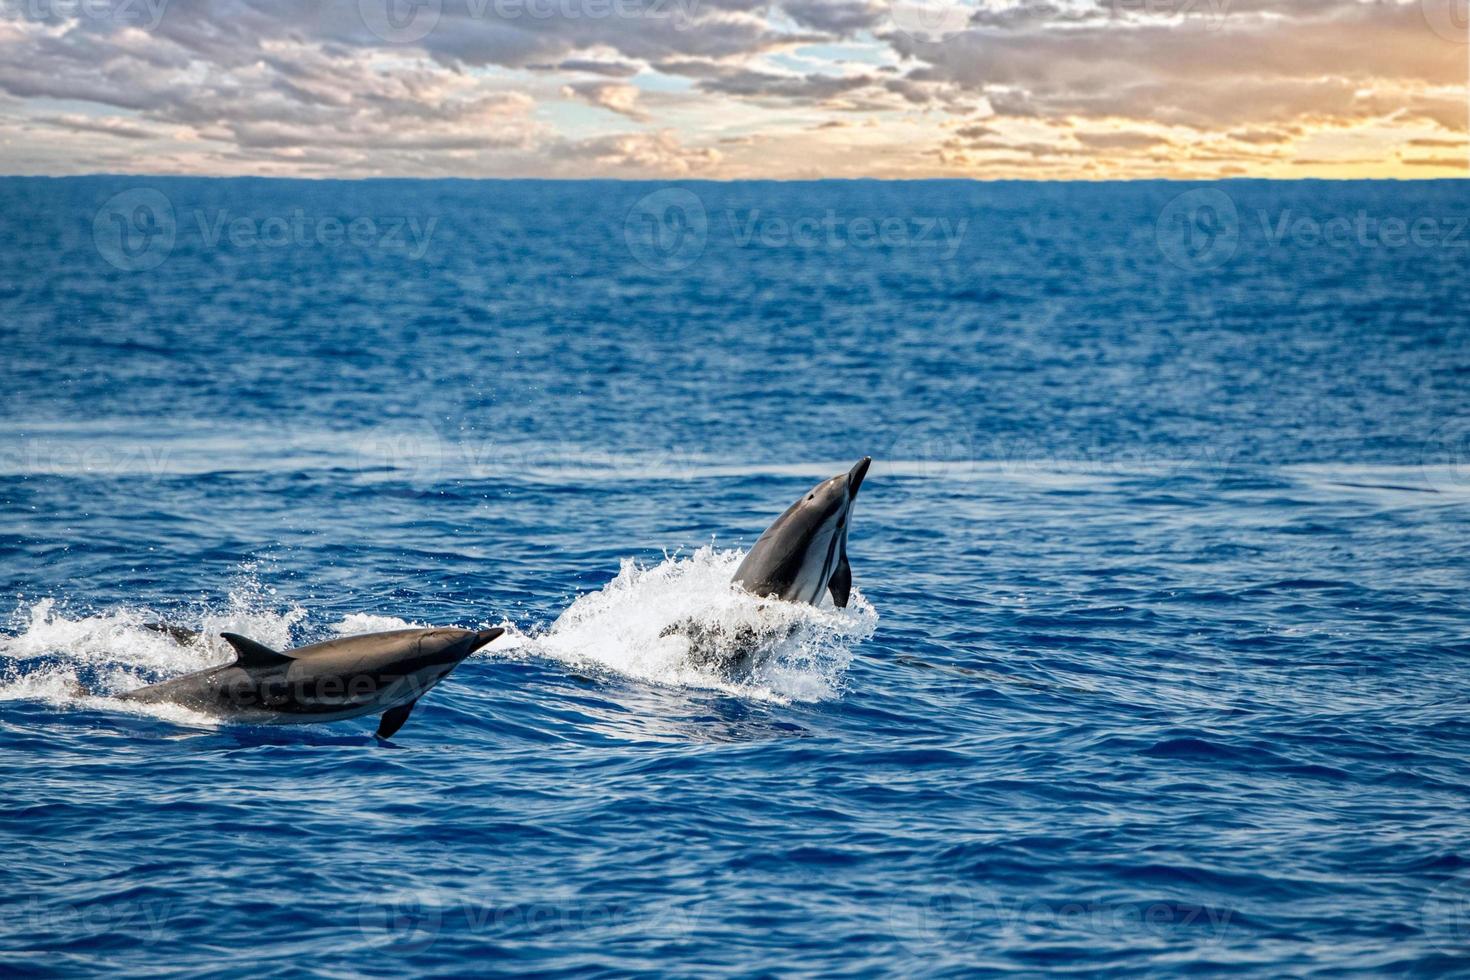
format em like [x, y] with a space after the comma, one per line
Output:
[1158, 664]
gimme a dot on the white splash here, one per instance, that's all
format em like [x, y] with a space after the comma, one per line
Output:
[120, 653]
[618, 628]
[621, 628]
[355, 624]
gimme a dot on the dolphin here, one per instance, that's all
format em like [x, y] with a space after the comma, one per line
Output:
[331, 681]
[804, 553]
[798, 558]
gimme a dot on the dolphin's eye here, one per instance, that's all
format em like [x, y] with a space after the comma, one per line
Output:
[811, 496]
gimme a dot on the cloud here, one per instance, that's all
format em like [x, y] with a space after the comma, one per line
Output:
[766, 85]
[1121, 141]
[622, 99]
[839, 18]
[658, 154]
[106, 125]
[1331, 58]
[975, 132]
[1450, 163]
[1267, 136]
[324, 86]
[613, 69]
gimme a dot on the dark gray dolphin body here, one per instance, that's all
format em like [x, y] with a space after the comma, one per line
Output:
[804, 553]
[344, 678]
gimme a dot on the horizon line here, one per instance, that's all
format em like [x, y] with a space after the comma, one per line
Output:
[746, 180]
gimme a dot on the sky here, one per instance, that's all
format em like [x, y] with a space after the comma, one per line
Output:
[732, 89]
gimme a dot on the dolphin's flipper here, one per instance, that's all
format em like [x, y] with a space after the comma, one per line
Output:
[841, 582]
[394, 718]
[252, 654]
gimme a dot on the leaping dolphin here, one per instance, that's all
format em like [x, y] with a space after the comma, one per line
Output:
[799, 557]
[804, 553]
[331, 681]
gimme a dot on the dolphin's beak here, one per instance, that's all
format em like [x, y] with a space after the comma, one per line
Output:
[855, 476]
[485, 636]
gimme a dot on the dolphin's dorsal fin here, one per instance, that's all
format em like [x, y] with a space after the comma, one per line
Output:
[248, 653]
[841, 582]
